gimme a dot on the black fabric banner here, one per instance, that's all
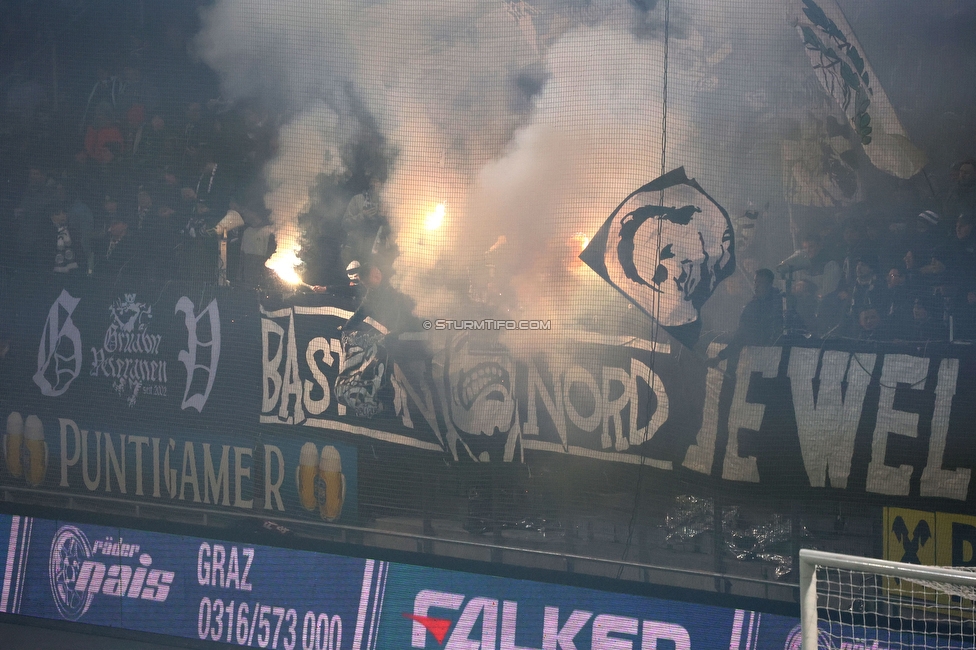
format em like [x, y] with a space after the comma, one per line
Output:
[843, 420]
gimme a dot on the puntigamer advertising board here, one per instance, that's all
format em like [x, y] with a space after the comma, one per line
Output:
[272, 473]
[266, 597]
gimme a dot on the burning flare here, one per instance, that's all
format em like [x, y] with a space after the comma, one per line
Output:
[284, 262]
[577, 244]
[435, 219]
[583, 241]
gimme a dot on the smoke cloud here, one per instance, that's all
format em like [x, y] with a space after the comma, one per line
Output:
[527, 122]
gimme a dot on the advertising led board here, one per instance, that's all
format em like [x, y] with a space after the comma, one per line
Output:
[260, 596]
[266, 597]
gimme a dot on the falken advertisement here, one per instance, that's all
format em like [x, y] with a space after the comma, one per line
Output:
[259, 596]
[265, 597]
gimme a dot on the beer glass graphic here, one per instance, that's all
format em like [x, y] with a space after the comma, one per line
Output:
[13, 442]
[308, 469]
[321, 483]
[332, 482]
[35, 458]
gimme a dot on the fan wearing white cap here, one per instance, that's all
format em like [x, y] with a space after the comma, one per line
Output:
[357, 284]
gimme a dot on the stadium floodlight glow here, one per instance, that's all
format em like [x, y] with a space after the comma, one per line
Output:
[847, 600]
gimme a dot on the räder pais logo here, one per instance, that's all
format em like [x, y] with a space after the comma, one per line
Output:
[76, 577]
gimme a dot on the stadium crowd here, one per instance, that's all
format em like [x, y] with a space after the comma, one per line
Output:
[139, 192]
[914, 279]
[142, 173]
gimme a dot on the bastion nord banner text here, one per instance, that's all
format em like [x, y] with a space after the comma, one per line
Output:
[259, 596]
[845, 419]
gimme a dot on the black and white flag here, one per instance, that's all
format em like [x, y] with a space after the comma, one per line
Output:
[666, 247]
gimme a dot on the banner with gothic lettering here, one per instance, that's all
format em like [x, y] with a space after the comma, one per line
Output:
[131, 354]
[845, 420]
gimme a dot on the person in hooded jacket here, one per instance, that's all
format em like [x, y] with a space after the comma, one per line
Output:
[761, 322]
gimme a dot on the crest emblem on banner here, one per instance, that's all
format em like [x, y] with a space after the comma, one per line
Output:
[665, 248]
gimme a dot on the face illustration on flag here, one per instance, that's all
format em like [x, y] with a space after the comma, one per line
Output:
[666, 248]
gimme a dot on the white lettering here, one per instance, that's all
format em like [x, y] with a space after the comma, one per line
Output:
[271, 381]
[701, 455]
[556, 638]
[606, 624]
[292, 382]
[52, 340]
[828, 427]
[509, 626]
[580, 375]
[653, 631]
[67, 462]
[317, 406]
[745, 414]
[639, 436]
[241, 473]
[898, 369]
[249, 554]
[552, 400]
[613, 408]
[203, 564]
[193, 345]
[272, 494]
[217, 577]
[157, 585]
[422, 603]
[938, 482]
[487, 610]
[233, 569]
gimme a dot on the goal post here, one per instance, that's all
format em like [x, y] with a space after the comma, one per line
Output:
[890, 604]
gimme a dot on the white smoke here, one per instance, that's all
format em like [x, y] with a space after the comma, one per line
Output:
[447, 85]
[308, 147]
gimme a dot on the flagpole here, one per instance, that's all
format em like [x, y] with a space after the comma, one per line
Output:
[789, 211]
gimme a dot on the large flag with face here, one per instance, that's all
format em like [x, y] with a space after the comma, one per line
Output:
[844, 72]
[666, 247]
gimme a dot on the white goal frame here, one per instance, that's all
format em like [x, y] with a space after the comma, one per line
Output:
[810, 560]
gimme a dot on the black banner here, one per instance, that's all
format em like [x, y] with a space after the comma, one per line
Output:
[843, 420]
[122, 356]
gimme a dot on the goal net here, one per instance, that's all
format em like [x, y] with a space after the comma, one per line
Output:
[858, 603]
